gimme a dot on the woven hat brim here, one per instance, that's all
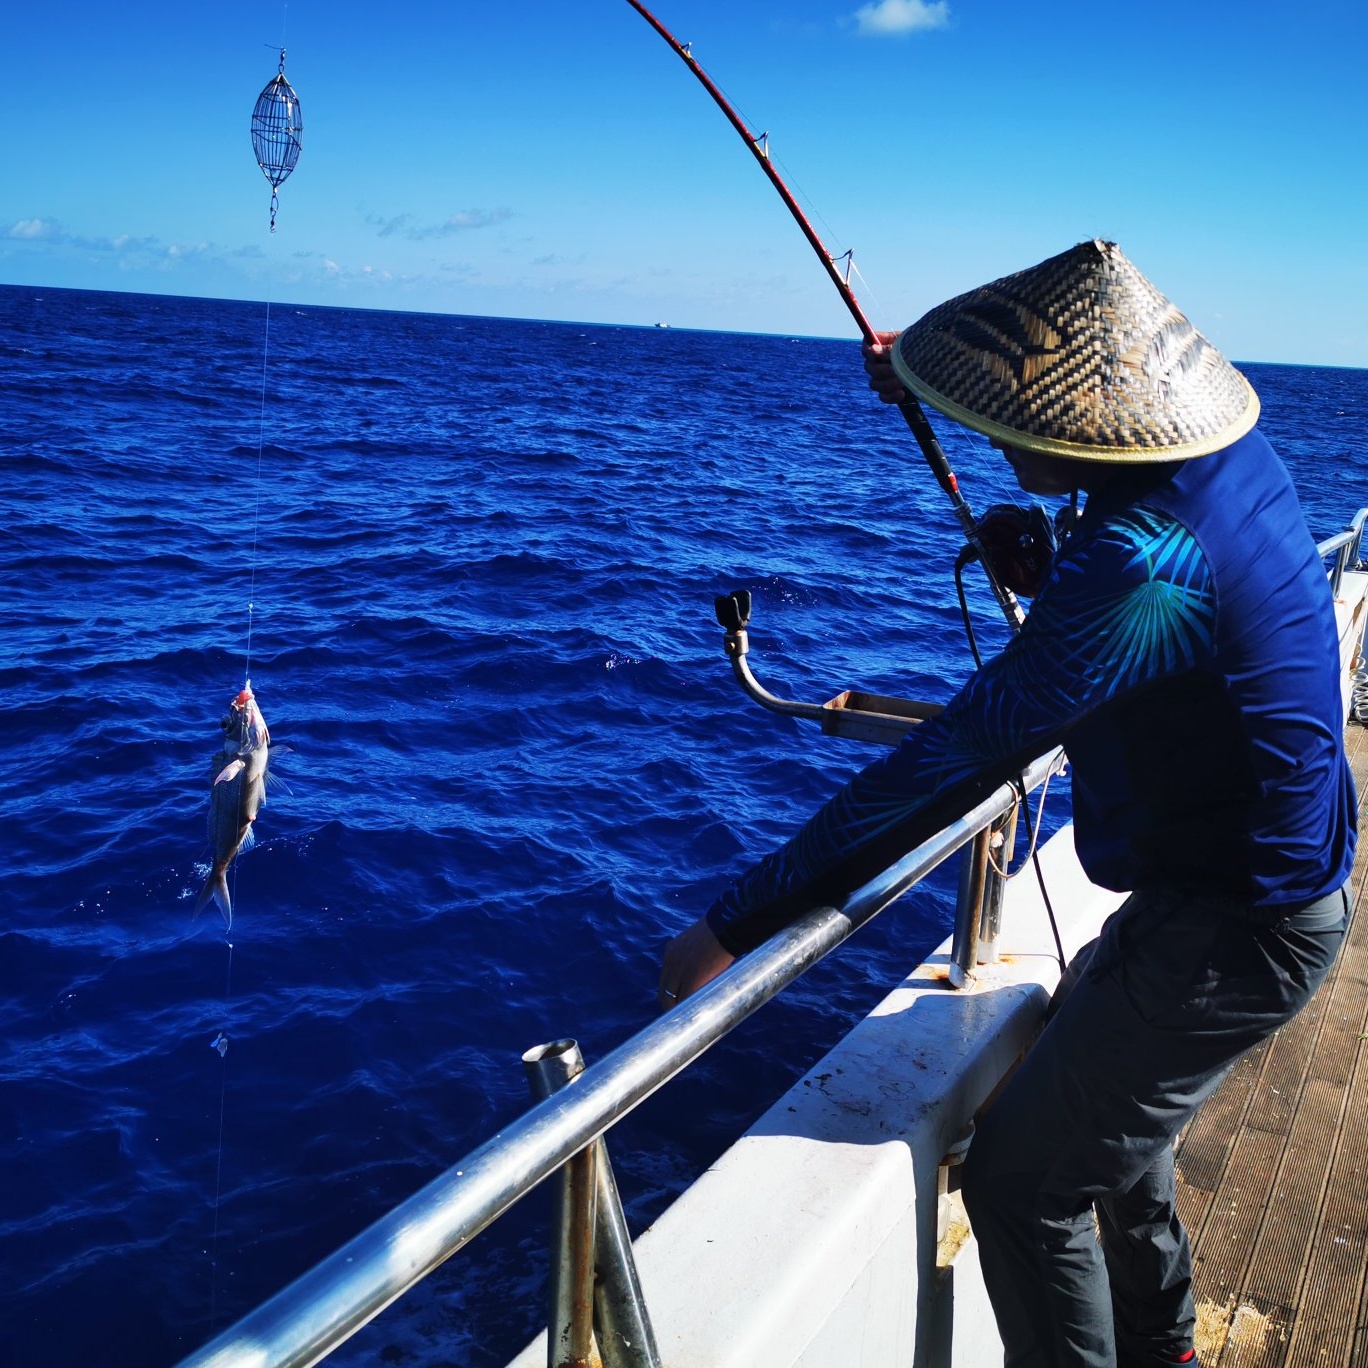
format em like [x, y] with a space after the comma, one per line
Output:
[1078, 357]
[1120, 455]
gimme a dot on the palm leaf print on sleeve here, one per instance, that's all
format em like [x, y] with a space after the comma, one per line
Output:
[1130, 604]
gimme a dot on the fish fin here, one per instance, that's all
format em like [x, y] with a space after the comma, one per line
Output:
[247, 843]
[215, 890]
[230, 771]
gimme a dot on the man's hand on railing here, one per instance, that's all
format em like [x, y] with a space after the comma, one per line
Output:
[693, 958]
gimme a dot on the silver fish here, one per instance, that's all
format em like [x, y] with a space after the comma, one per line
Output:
[237, 794]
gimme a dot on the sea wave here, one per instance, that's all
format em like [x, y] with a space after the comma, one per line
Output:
[469, 567]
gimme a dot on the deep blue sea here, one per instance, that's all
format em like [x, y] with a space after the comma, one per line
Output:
[469, 567]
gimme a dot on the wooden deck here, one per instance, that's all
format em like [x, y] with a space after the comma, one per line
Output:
[1273, 1176]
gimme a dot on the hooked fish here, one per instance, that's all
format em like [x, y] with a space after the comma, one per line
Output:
[236, 796]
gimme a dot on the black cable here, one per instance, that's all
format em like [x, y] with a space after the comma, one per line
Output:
[1033, 856]
[965, 556]
[1040, 873]
[1049, 911]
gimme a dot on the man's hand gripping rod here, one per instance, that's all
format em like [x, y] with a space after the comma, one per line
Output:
[911, 410]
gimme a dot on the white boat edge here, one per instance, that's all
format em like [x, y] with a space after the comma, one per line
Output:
[822, 1238]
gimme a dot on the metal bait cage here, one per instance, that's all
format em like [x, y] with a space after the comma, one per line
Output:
[277, 133]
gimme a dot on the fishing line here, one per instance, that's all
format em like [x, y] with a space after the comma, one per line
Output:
[221, 1040]
[851, 267]
[909, 406]
[277, 130]
[256, 509]
[812, 211]
[219, 1044]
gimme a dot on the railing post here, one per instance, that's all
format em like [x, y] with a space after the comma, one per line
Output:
[1337, 573]
[1001, 846]
[625, 1336]
[969, 910]
[1347, 552]
[570, 1328]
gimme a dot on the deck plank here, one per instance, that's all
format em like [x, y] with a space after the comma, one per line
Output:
[1210, 1138]
[1273, 1176]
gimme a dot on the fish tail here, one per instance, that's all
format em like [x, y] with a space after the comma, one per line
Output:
[216, 890]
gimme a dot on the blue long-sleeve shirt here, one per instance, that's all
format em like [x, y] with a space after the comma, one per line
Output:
[1183, 650]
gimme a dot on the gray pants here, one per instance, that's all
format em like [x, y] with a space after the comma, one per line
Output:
[1144, 1025]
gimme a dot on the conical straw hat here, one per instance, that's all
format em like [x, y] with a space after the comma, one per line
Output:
[1078, 357]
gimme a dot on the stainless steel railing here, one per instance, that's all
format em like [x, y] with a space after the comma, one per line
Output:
[319, 1311]
[323, 1308]
[1345, 547]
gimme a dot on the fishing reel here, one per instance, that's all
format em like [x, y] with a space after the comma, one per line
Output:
[1019, 543]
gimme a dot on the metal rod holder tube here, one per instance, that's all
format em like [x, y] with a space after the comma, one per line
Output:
[625, 1336]
[969, 911]
[570, 1327]
[737, 645]
[1001, 847]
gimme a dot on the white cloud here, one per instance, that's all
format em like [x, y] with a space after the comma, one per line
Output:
[388, 226]
[463, 221]
[54, 234]
[902, 16]
[35, 230]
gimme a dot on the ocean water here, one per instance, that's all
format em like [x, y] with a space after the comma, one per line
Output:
[468, 565]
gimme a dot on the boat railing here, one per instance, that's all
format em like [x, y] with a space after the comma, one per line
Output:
[1345, 548]
[325, 1306]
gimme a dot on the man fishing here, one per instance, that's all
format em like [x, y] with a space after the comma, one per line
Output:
[1183, 650]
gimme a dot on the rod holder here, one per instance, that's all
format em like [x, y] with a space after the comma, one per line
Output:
[597, 1311]
[570, 1327]
[1001, 848]
[964, 948]
[853, 714]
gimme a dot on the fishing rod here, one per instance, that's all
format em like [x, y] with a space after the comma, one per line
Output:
[910, 408]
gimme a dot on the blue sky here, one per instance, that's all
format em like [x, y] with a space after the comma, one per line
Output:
[556, 160]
